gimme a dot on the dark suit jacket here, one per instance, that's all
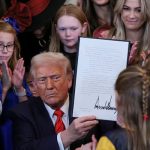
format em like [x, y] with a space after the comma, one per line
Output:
[33, 128]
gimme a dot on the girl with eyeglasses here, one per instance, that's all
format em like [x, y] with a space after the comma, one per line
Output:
[11, 67]
[12, 90]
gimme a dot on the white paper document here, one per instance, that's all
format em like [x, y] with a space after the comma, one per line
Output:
[99, 63]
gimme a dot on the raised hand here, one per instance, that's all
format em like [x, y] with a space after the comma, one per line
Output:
[18, 74]
[6, 79]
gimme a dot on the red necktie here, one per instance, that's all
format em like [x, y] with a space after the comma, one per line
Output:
[59, 125]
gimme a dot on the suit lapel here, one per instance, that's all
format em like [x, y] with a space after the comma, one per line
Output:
[70, 109]
[43, 119]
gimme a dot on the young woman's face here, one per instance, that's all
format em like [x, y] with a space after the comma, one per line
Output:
[6, 46]
[100, 2]
[69, 29]
[131, 15]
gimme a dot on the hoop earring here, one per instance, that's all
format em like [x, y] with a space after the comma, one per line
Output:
[42, 42]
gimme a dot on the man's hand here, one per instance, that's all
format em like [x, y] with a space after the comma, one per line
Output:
[78, 129]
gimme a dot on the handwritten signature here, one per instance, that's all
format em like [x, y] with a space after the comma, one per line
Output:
[107, 105]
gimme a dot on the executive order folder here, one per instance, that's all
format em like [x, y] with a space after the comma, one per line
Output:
[98, 64]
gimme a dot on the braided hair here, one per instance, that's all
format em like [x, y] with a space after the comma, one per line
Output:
[133, 87]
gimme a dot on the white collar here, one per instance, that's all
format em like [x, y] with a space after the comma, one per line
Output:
[64, 108]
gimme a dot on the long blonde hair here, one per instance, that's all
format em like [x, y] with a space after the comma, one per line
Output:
[5, 27]
[133, 88]
[70, 10]
[119, 26]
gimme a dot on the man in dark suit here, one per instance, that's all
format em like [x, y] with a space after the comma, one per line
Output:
[35, 124]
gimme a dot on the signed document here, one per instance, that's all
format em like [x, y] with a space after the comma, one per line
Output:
[98, 65]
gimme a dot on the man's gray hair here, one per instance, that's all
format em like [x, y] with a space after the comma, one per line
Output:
[50, 58]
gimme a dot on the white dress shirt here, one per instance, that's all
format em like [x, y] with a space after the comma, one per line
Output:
[65, 118]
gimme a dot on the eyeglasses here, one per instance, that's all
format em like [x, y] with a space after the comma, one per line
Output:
[9, 47]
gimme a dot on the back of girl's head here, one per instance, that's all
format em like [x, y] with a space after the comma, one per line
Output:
[67, 10]
[133, 103]
[7, 28]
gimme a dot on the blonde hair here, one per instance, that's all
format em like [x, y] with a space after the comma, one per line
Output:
[51, 58]
[119, 25]
[70, 10]
[5, 27]
[133, 87]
